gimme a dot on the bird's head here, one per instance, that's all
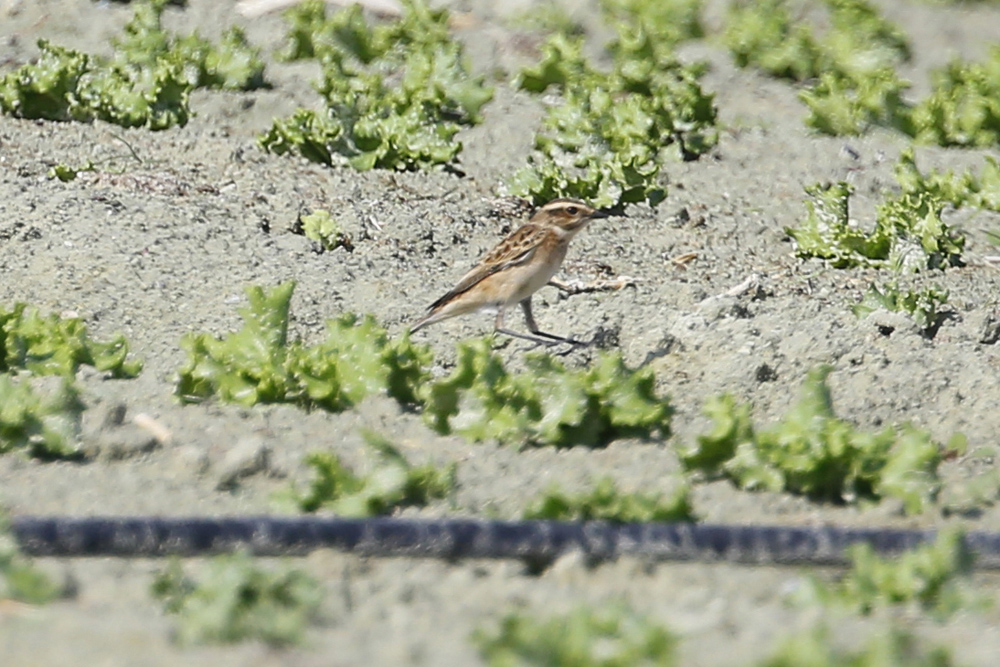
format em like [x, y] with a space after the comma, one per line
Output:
[567, 214]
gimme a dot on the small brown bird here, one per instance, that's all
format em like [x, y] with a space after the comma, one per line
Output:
[516, 268]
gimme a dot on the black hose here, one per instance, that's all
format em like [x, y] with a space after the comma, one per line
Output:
[537, 541]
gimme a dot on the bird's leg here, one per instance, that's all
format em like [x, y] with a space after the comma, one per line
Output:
[533, 326]
[499, 328]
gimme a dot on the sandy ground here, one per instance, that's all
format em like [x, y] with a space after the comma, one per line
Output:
[169, 246]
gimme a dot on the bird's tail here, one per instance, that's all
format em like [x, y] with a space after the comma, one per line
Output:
[447, 307]
[429, 318]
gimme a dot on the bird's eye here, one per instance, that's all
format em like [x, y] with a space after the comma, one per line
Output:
[572, 210]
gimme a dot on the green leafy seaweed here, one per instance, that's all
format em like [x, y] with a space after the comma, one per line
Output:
[320, 226]
[827, 232]
[890, 648]
[145, 45]
[605, 502]
[923, 306]
[851, 70]
[852, 66]
[609, 637]
[815, 453]
[46, 88]
[238, 600]
[936, 577]
[258, 364]
[392, 483]
[66, 173]
[605, 142]
[859, 42]
[761, 34]
[909, 234]
[921, 239]
[19, 578]
[145, 83]
[547, 404]
[841, 105]
[395, 95]
[961, 190]
[546, 16]
[44, 424]
[669, 22]
[53, 345]
[963, 108]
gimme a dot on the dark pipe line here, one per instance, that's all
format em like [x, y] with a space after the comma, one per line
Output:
[538, 541]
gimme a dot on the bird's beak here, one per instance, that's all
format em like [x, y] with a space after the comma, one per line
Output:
[600, 214]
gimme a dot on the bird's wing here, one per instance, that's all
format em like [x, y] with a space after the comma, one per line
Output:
[517, 248]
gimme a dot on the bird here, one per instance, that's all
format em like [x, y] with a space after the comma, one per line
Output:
[520, 265]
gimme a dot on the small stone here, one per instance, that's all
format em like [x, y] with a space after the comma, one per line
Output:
[113, 415]
[889, 323]
[191, 458]
[124, 442]
[719, 307]
[765, 373]
[989, 334]
[247, 457]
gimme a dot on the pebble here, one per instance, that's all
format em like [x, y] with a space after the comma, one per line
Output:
[989, 332]
[192, 458]
[249, 456]
[123, 442]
